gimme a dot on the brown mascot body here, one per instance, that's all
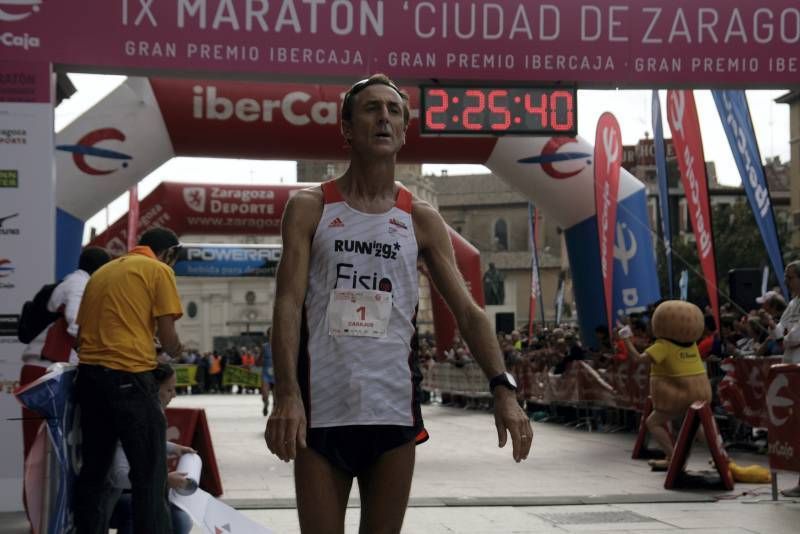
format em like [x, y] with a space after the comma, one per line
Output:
[680, 323]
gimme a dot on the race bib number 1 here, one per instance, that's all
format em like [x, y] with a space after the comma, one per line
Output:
[357, 312]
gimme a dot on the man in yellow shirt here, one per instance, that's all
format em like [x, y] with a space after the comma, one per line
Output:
[126, 303]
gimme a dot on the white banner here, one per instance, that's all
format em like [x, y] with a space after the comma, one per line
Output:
[214, 516]
[27, 242]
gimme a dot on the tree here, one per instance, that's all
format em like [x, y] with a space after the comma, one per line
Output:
[737, 244]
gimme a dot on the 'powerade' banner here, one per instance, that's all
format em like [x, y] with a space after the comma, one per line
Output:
[685, 126]
[607, 161]
[663, 186]
[735, 115]
[222, 260]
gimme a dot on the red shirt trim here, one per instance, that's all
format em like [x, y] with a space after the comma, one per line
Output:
[331, 192]
[331, 195]
[404, 199]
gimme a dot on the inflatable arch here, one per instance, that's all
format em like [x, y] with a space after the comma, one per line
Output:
[145, 122]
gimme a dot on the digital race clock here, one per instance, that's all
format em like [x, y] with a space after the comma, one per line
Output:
[499, 110]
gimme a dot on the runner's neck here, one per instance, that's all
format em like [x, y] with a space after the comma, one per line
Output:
[371, 187]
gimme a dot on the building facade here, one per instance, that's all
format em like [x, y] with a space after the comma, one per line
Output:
[491, 216]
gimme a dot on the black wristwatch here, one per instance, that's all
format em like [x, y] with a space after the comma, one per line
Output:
[503, 379]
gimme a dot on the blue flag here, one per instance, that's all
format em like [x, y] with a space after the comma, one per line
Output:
[51, 397]
[663, 186]
[735, 115]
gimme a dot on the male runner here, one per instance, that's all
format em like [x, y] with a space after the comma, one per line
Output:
[346, 380]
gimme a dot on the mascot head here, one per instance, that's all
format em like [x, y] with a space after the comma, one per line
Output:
[679, 321]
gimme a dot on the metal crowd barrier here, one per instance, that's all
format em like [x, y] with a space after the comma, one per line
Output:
[620, 389]
[467, 381]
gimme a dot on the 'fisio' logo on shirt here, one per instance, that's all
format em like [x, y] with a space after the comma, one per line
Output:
[345, 271]
[368, 248]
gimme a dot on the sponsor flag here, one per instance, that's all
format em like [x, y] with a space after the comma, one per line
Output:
[560, 299]
[683, 284]
[133, 216]
[736, 120]
[607, 162]
[685, 126]
[536, 284]
[663, 186]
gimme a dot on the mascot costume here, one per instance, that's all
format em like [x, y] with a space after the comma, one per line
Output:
[677, 375]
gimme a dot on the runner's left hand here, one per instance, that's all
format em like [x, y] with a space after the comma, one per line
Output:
[509, 418]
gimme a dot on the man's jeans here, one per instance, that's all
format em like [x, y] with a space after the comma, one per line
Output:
[119, 406]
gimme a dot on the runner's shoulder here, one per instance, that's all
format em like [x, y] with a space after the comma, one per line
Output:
[304, 208]
[427, 220]
[307, 198]
[423, 210]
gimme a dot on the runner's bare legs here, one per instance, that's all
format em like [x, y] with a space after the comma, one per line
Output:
[384, 491]
[322, 492]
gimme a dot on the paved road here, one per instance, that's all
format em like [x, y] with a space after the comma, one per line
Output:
[574, 481]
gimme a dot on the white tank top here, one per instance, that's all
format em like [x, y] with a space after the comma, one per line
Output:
[356, 380]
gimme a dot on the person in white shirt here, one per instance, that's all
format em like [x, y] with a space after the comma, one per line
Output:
[788, 329]
[66, 300]
[38, 354]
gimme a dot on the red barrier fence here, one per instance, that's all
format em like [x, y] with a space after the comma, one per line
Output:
[783, 417]
[743, 389]
[188, 427]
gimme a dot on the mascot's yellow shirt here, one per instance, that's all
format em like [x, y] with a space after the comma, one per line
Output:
[117, 317]
[671, 359]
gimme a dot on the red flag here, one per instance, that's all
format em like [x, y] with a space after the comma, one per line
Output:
[607, 161]
[133, 216]
[536, 287]
[682, 116]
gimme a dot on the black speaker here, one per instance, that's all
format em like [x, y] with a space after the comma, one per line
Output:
[504, 322]
[744, 286]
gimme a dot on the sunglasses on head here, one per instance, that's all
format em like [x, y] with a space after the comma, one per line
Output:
[366, 82]
[173, 253]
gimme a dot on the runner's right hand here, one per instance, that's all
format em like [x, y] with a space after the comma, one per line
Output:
[286, 427]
